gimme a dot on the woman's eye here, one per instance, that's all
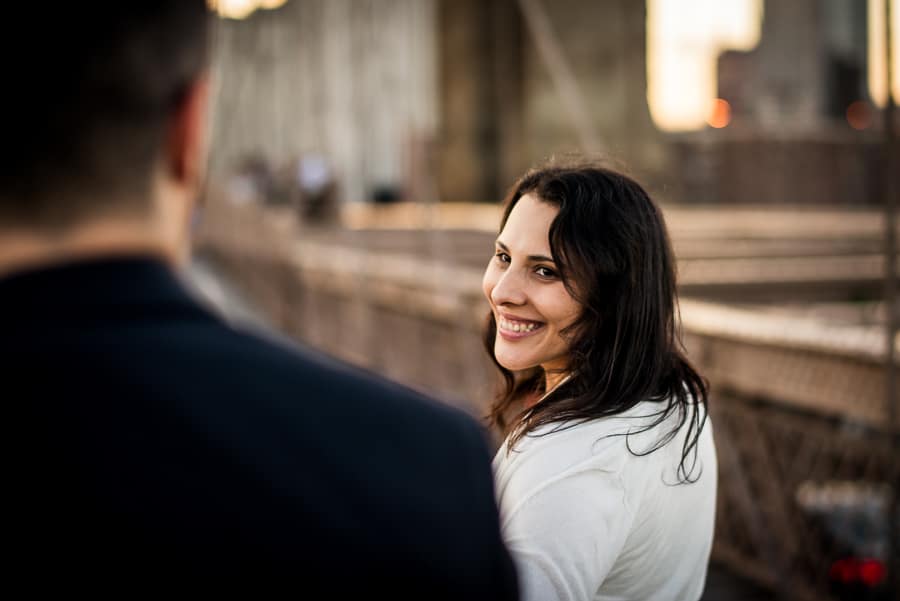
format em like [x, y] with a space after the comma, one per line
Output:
[502, 257]
[545, 272]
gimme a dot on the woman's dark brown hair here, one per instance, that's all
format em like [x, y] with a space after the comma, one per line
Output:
[610, 244]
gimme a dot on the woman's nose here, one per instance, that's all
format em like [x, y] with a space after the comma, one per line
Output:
[509, 289]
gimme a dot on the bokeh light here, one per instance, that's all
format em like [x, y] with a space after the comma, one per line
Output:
[720, 115]
[859, 115]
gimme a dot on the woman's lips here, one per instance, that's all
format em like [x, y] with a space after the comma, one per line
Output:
[516, 329]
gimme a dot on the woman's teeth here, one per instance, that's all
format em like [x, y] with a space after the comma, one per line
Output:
[518, 326]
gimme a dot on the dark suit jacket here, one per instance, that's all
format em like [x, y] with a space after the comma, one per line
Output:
[151, 439]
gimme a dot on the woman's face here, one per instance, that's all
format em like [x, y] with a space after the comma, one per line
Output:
[530, 303]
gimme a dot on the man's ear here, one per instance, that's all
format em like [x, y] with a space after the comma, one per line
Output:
[186, 144]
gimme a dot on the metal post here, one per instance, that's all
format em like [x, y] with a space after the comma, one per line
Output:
[890, 292]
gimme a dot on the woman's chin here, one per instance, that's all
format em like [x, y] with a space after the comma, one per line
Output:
[515, 363]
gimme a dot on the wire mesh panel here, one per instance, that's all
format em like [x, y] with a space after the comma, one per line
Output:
[803, 500]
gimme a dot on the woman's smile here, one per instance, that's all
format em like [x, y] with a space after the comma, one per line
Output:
[516, 328]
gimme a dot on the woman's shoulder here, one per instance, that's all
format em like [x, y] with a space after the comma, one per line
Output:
[568, 447]
[580, 437]
[606, 444]
[557, 461]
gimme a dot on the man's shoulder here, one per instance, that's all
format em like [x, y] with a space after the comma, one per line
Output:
[336, 410]
[276, 361]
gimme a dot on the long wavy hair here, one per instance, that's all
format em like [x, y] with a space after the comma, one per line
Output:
[610, 244]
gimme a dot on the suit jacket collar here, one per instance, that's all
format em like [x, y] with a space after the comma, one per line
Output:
[100, 288]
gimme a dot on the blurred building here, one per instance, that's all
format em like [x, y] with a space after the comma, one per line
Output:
[802, 128]
[454, 99]
[448, 99]
[347, 81]
[809, 67]
[502, 109]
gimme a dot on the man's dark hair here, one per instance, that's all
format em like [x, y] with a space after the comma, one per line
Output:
[86, 101]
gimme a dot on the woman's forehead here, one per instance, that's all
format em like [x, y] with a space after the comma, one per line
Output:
[528, 226]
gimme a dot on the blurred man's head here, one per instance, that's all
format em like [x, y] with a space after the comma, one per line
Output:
[103, 109]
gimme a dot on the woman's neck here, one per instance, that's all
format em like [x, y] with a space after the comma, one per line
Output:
[553, 380]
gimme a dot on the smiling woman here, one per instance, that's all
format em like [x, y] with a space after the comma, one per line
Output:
[529, 301]
[607, 477]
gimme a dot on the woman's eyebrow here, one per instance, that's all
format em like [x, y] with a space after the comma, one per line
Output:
[534, 258]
